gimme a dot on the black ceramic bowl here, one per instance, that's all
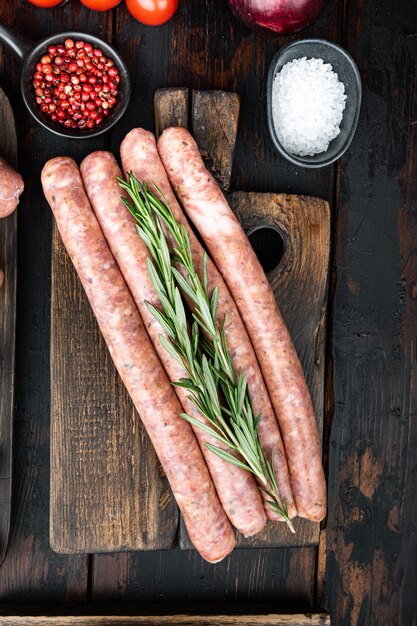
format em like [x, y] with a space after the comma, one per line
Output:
[348, 73]
[30, 54]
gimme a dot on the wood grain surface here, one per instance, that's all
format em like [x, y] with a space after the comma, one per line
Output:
[368, 572]
[171, 108]
[172, 620]
[8, 269]
[215, 118]
[371, 573]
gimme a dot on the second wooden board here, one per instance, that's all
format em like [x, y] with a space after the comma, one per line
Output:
[291, 235]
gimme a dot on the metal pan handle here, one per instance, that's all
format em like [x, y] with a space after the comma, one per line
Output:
[20, 46]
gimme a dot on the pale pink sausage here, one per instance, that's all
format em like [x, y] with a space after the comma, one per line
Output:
[11, 186]
[225, 239]
[136, 361]
[139, 154]
[235, 487]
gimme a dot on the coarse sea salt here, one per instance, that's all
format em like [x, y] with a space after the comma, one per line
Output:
[308, 101]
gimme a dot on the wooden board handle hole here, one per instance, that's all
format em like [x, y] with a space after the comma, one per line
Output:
[269, 246]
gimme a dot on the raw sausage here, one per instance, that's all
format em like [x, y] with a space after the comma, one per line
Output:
[136, 361]
[235, 487]
[225, 239]
[11, 186]
[140, 155]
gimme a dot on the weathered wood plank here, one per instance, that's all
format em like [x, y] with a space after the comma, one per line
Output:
[215, 118]
[8, 268]
[247, 579]
[320, 619]
[170, 108]
[108, 491]
[371, 574]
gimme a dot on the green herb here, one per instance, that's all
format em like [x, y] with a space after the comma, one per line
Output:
[201, 350]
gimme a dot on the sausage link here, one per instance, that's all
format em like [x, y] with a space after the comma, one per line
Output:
[235, 487]
[140, 155]
[11, 186]
[136, 361]
[207, 208]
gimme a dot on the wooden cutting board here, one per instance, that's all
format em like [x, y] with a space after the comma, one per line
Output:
[108, 492]
[8, 265]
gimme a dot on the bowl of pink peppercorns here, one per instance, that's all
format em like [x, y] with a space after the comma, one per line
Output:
[75, 85]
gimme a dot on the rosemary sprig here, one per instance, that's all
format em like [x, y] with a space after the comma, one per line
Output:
[205, 357]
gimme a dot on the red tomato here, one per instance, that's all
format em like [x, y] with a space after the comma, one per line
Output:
[101, 5]
[152, 12]
[46, 4]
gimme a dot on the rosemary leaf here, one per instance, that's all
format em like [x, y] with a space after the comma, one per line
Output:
[163, 321]
[170, 349]
[184, 286]
[228, 457]
[205, 428]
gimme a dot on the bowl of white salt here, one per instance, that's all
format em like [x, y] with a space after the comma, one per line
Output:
[314, 94]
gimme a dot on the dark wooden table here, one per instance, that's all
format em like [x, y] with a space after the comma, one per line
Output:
[365, 570]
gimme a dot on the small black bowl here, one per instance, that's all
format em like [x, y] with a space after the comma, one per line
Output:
[30, 54]
[348, 73]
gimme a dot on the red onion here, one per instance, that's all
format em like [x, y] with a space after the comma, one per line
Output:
[281, 16]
